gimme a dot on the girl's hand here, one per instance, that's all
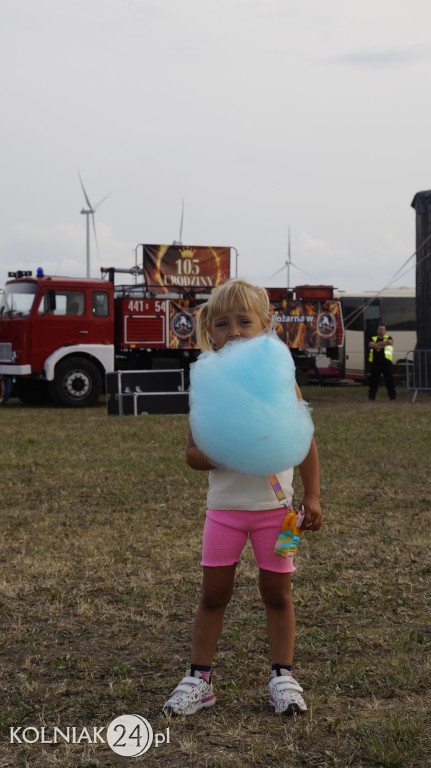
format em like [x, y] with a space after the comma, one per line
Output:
[194, 457]
[313, 513]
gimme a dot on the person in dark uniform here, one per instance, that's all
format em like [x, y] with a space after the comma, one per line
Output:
[381, 352]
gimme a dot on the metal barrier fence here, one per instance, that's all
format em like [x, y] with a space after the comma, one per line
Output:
[418, 371]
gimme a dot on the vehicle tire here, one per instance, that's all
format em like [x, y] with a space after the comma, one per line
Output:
[77, 383]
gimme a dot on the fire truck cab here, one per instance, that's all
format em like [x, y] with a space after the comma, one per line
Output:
[57, 337]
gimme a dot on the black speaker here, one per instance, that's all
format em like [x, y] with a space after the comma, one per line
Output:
[150, 391]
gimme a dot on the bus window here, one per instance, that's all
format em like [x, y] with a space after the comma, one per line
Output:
[352, 314]
[372, 316]
[399, 312]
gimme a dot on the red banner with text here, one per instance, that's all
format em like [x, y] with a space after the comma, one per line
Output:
[185, 267]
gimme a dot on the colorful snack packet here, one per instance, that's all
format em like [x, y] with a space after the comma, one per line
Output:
[290, 533]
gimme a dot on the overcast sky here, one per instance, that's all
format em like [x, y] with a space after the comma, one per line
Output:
[260, 114]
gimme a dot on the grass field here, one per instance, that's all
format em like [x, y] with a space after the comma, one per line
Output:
[101, 525]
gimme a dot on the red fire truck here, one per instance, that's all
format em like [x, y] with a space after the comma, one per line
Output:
[60, 336]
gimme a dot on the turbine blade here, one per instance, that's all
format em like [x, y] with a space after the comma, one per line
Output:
[181, 224]
[278, 271]
[95, 235]
[85, 194]
[300, 269]
[101, 201]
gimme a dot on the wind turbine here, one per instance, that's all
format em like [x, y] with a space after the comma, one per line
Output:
[289, 263]
[180, 241]
[90, 211]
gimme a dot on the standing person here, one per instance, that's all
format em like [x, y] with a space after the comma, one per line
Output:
[381, 351]
[239, 506]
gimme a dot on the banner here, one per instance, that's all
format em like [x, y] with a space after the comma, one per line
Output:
[303, 324]
[184, 267]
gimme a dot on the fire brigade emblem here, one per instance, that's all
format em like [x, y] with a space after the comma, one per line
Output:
[183, 325]
[326, 325]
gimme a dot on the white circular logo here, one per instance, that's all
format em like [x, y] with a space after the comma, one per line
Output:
[326, 325]
[183, 324]
[129, 735]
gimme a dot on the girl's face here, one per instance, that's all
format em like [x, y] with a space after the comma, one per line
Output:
[237, 324]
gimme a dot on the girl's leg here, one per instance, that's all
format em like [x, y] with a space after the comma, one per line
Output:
[280, 615]
[217, 590]
[195, 690]
[284, 690]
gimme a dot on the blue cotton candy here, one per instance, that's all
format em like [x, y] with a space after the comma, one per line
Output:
[244, 412]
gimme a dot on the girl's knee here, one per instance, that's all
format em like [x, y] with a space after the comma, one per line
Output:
[217, 587]
[215, 597]
[279, 599]
[275, 592]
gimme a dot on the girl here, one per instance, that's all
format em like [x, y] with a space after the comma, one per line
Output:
[240, 506]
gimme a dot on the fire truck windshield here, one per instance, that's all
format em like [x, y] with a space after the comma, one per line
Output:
[19, 298]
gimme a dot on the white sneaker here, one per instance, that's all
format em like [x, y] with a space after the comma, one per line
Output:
[191, 694]
[285, 694]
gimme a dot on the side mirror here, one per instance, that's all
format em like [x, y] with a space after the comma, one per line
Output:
[52, 304]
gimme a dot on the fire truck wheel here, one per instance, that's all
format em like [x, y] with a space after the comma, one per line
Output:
[77, 383]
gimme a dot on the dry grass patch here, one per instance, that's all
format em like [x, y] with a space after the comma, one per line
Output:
[100, 577]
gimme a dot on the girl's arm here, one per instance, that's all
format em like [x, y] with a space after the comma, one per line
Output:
[309, 471]
[194, 457]
[310, 476]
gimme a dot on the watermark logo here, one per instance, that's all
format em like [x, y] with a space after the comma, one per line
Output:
[130, 735]
[127, 735]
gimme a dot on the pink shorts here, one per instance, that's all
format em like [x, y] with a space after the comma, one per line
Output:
[226, 532]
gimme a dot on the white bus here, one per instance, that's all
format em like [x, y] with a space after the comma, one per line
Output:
[362, 313]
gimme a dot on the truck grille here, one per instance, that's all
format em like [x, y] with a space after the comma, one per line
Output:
[5, 352]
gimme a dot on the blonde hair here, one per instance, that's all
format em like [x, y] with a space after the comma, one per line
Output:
[235, 294]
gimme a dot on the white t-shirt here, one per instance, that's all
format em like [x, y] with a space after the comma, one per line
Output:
[233, 490]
